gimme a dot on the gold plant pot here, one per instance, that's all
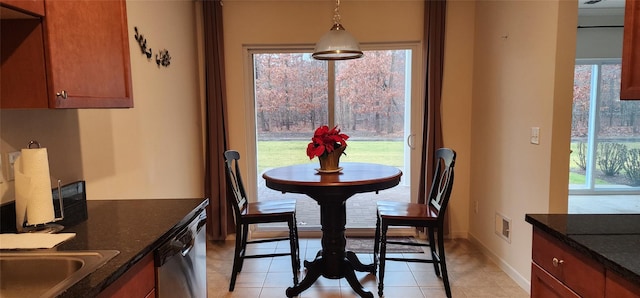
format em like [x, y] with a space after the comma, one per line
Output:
[331, 161]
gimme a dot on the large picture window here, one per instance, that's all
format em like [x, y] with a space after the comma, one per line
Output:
[368, 98]
[605, 132]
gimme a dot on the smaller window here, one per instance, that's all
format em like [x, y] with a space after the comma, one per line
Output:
[605, 132]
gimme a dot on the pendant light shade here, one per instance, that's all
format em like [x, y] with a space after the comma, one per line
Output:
[337, 44]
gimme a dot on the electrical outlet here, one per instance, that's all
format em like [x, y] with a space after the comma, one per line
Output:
[11, 158]
[476, 207]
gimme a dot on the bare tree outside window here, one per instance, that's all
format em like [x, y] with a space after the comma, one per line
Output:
[369, 100]
[291, 94]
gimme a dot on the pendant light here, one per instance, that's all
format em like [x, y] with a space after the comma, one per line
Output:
[337, 44]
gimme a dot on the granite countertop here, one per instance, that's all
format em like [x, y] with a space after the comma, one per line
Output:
[611, 239]
[133, 227]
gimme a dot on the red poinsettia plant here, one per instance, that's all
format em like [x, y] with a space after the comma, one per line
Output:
[326, 140]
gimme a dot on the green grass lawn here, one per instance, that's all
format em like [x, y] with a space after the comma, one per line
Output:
[282, 153]
[575, 178]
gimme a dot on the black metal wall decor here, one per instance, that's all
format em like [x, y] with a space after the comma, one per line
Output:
[143, 43]
[162, 58]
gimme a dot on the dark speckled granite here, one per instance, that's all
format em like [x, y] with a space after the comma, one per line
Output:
[611, 239]
[134, 227]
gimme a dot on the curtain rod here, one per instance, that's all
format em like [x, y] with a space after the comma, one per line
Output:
[603, 26]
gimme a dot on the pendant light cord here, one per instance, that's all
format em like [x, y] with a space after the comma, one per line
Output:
[336, 13]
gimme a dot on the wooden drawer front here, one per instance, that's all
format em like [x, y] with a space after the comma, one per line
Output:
[581, 274]
[618, 287]
[543, 285]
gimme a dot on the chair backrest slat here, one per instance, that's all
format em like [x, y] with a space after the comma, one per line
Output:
[234, 181]
[442, 181]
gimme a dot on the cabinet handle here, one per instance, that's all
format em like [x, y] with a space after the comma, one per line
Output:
[62, 94]
[557, 262]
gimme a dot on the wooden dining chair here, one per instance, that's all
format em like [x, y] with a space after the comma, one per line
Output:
[429, 215]
[246, 213]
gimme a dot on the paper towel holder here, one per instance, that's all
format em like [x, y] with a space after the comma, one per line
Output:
[51, 227]
[46, 227]
[35, 143]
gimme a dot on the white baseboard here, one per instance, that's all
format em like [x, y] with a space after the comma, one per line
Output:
[524, 283]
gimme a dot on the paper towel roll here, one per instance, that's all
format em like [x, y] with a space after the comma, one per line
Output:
[34, 201]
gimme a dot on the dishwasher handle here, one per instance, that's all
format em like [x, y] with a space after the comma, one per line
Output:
[187, 244]
[182, 243]
[188, 241]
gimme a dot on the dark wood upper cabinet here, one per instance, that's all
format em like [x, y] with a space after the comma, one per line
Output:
[33, 7]
[630, 81]
[76, 56]
[23, 79]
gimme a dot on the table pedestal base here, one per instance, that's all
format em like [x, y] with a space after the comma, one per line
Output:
[331, 191]
[349, 264]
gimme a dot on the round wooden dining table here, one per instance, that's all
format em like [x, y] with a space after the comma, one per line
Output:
[331, 191]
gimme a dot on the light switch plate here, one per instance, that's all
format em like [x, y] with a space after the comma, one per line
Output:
[535, 135]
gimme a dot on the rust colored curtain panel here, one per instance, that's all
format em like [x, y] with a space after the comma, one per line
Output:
[219, 218]
[433, 55]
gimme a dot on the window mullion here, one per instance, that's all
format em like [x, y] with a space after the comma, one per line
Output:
[331, 92]
[593, 125]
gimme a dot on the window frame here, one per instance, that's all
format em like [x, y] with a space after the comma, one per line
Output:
[415, 110]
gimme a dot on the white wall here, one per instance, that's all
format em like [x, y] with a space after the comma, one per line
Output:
[153, 150]
[595, 41]
[523, 78]
[599, 43]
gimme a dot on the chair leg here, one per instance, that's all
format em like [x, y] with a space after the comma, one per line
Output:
[295, 232]
[376, 244]
[245, 235]
[443, 262]
[237, 259]
[383, 252]
[292, 249]
[432, 247]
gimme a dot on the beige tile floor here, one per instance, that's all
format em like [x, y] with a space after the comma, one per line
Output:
[471, 275]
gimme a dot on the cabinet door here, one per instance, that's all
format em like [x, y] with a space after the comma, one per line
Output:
[88, 54]
[577, 271]
[630, 77]
[23, 79]
[543, 285]
[619, 287]
[138, 282]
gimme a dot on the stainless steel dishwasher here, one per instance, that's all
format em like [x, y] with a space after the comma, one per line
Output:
[181, 263]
